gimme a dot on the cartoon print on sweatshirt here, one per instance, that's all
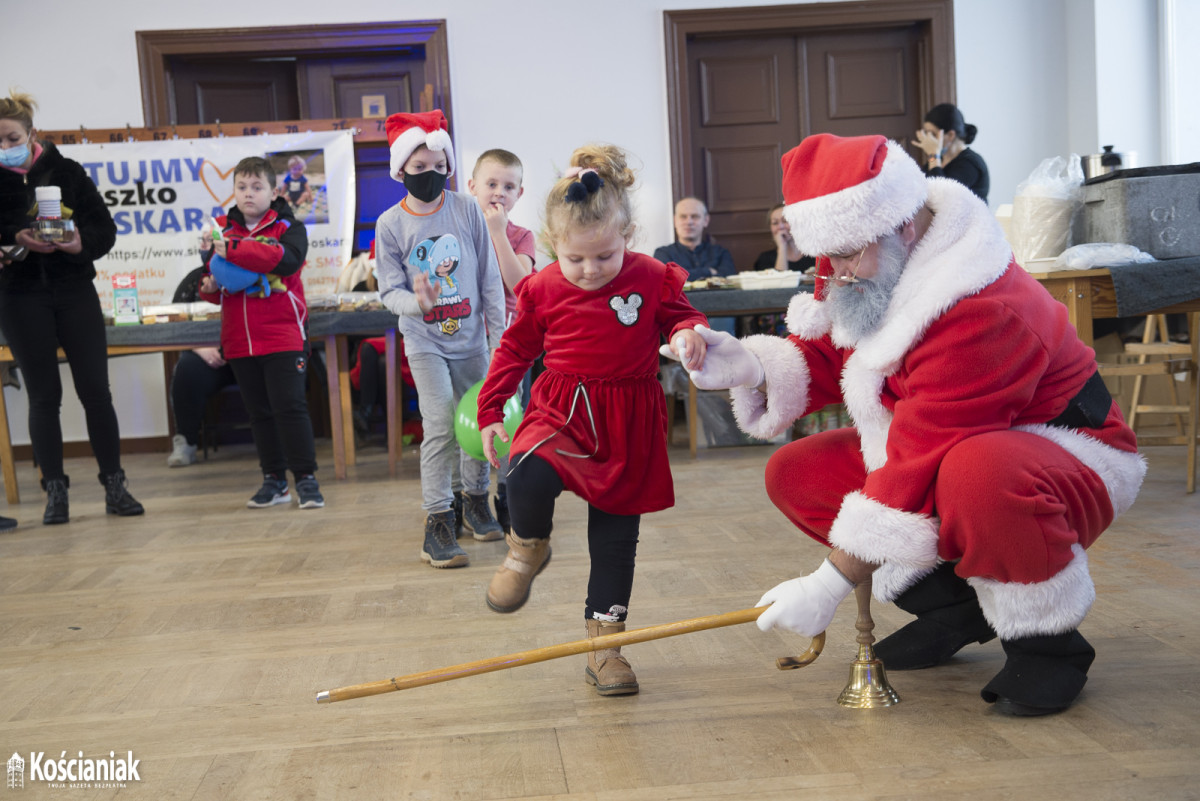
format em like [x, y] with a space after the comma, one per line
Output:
[438, 257]
[627, 310]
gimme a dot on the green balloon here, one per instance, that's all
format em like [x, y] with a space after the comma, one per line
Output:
[466, 423]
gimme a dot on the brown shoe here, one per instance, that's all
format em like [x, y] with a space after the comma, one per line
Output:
[509, 588]
[607, 670]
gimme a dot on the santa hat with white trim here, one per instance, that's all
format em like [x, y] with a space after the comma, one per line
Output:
[841, 194]
[407, 132]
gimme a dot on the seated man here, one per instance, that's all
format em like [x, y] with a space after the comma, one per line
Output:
[693, 251]
[986, 454]
[199, 374]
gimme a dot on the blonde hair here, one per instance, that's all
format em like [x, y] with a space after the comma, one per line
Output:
[18, 106]
[294, 160]
[607, 206]
[505, 158]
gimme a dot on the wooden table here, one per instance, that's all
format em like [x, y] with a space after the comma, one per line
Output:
[331, 328]
[1089, 295]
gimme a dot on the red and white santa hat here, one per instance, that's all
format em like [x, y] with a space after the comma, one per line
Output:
[841, 194]
[407, 132]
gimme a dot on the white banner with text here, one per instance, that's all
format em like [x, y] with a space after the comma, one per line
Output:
[161, 193]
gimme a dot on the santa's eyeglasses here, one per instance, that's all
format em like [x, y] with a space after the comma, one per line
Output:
[845, 257]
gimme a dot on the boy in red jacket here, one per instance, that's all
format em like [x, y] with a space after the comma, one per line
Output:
[254, 262]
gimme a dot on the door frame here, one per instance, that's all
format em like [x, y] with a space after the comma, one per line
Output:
[155, 48]
[935, 52]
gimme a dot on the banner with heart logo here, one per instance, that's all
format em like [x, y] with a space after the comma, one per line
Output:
[162, 193]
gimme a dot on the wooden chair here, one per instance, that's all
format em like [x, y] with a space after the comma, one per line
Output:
[1158, 356]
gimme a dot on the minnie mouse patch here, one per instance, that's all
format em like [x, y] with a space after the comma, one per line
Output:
[626, 308]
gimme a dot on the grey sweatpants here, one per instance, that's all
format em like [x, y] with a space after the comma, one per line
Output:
[441, 383]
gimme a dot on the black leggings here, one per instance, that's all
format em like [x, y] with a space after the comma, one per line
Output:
[273, 389]
[192, 384]
[533, 486]
[36, 323]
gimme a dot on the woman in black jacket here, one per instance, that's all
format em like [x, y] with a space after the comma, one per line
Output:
[48, 301]
[943, 139]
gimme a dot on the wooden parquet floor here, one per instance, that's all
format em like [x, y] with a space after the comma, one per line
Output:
[198, 636]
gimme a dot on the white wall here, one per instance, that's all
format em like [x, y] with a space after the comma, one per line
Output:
[1127, 97]
[1183, 61]
[1013, 84]
[541, 77]
[1082, 104]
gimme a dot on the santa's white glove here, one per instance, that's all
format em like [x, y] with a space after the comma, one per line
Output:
[727, 362]
[805, 605]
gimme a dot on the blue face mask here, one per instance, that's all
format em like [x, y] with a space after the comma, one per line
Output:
[15, 156]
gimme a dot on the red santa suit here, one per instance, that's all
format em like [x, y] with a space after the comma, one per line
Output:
[952, 455]
[597, 414]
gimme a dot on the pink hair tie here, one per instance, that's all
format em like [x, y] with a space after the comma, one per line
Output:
[575, 172]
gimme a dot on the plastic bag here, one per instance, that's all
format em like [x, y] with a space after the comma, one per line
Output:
[1100, 254]
[1043, 208]
[1055, 178]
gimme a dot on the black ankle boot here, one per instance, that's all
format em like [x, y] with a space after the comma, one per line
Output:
[57, 507]
[948, 618]
[117, 500]
[457, 506]
[1042, 675]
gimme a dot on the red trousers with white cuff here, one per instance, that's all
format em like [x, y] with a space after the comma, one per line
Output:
[1016, 512]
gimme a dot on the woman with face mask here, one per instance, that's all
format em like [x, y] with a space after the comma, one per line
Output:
[943, 140]
[48, 301]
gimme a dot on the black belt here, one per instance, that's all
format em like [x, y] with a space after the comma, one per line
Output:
[1089, 408]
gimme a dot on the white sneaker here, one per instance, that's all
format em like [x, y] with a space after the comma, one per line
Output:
[182, 454]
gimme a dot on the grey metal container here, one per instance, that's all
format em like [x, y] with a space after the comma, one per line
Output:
[1155, 209]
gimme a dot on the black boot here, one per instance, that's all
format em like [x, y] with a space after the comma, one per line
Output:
[57, 508]
[948, 618]
[117, 500]
[1042, 674]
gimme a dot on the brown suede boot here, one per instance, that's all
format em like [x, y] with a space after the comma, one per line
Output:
[509, 588]
[607, 670]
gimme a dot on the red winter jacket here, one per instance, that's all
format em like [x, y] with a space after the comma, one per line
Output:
[253, 325]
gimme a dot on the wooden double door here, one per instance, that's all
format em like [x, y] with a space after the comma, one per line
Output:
[297, 73]
[752, 95]
[268, 89]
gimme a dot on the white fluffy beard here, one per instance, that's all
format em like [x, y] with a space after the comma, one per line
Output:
[858, 310]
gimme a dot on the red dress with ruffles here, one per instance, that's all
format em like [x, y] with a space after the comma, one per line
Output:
[597, 414]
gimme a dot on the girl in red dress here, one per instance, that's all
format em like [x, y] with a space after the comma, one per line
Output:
[596, 422]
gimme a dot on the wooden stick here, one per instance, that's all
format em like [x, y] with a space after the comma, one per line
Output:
[542, 655]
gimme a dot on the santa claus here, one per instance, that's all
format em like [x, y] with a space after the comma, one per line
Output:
[986, 454]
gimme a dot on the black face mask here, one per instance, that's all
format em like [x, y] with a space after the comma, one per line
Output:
[425, 186]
